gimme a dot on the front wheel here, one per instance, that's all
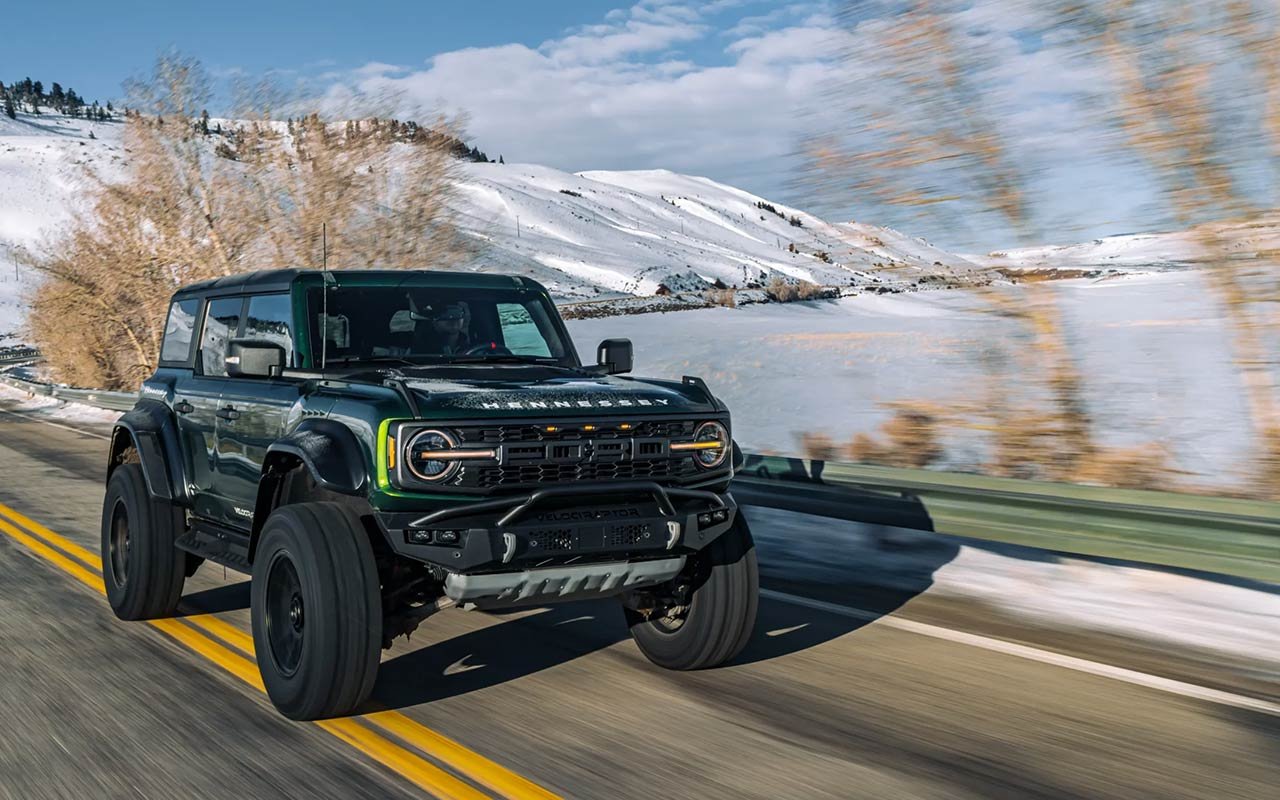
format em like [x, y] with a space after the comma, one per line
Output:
[712, 610]
[142, 568]
[316, 609]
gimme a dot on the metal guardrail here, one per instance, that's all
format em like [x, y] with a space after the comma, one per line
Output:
[1211, 534]
[18, 355]
[112, 401]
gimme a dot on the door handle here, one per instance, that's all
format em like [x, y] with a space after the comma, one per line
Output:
[228, 413]
[183, 407]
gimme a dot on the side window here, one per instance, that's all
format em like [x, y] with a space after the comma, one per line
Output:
[178, 330]
[520, 332]
[270, 319]
[220, 325]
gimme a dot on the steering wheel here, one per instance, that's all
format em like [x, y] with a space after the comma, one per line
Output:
[490, 348]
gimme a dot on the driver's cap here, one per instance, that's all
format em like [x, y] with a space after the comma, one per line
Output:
[451, 311]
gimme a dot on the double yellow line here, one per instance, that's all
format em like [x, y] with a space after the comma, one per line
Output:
[232, 649]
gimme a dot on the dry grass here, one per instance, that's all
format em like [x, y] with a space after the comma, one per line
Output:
[1145, 467]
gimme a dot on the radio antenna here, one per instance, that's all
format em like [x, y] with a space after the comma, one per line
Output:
[324, 296]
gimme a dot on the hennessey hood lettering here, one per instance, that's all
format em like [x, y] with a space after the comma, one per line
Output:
[558, 394]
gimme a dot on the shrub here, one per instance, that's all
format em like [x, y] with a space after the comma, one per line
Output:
[780, 290]
[910, 438]
[721, 297]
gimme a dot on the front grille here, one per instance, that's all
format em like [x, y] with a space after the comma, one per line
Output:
[544, 473]
[574, 430]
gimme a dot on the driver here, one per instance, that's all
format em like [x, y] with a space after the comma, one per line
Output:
[446, 332]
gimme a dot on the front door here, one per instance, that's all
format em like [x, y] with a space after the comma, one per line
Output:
[252, 412]
[196, 402]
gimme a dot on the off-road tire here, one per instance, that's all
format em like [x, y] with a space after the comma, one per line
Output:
[322, 662]
[721, 612]
[142, 569]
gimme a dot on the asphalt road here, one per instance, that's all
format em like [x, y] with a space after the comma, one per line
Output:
[927, 702]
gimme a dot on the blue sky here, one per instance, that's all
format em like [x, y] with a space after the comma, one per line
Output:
[722, 88]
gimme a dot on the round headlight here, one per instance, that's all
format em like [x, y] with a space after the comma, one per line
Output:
[419, 458]
[711, 457]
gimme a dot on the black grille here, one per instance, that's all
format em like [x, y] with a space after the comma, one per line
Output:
[540, 473]
[557, 540]
[626, 535]
[575, 430]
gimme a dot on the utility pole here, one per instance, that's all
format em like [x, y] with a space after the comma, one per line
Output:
[517, 226]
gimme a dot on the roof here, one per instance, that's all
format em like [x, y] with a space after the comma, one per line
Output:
[281, 280]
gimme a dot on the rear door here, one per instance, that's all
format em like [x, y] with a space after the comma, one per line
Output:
[196, 403]
[253, 411]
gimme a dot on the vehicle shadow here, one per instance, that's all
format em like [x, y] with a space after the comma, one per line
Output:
[497, 653]
[869, 570]
[228, 597]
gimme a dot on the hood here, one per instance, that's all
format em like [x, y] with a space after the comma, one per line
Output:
[559, 395]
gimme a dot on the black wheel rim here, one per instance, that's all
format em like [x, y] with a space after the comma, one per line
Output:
[286, 614]
[119, 544]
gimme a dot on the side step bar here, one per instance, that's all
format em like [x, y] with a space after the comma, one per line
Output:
[218, 544]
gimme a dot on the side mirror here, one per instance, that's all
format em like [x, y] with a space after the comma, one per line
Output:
[615, 356]
[253, 358]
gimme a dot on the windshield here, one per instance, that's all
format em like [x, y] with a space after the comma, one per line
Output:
[423, 325]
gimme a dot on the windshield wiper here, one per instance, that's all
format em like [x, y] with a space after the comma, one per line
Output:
[345, 360]
[504, 358]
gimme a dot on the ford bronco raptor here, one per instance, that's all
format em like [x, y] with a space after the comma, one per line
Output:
[373, 447]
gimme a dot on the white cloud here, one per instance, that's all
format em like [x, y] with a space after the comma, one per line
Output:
[624, 94]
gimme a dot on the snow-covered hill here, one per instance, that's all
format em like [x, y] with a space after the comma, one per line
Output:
[42, 179]
[587, 235]
[628, 233]
[1145, 252]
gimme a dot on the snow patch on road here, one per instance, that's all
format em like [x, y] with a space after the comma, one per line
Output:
[1043, 587]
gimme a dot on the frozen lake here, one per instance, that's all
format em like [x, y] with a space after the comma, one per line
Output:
[1152, 348]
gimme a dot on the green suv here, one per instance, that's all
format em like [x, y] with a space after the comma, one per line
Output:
[373, 447]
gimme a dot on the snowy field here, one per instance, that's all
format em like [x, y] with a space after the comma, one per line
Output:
[1151, 347]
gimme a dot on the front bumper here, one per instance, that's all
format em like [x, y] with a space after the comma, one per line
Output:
[562, 526]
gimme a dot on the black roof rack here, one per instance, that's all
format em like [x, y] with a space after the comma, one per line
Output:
[281, 280]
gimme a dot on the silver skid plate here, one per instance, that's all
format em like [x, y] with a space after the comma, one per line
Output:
[557, 584]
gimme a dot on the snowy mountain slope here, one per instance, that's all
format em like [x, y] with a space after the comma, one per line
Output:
[1143, 252]
[627, 233]
[42, 179]
[586, 236]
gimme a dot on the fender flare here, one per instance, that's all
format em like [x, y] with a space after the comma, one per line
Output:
[330, 452]
[150, 430]
[327, 450]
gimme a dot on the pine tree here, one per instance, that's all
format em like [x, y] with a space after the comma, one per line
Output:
[500, 161]
[37, 89]
[91, 136]
[204, 122]
[56, 97]
[9, 110]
